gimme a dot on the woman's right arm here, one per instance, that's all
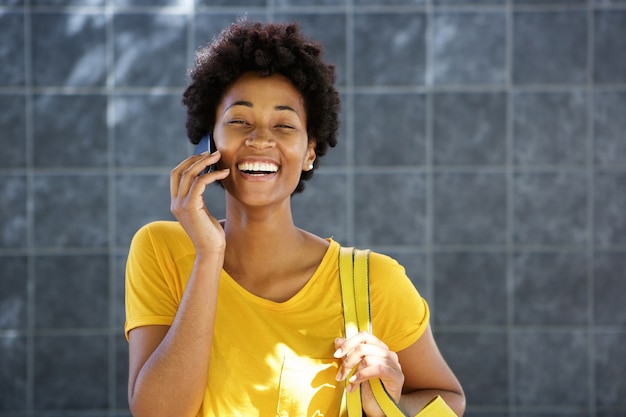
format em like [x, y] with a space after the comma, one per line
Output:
[168, 365]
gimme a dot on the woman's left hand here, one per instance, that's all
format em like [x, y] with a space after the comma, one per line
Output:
[370, 358]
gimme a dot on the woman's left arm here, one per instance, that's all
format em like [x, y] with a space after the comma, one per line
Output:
[413, 376]
[426, 375]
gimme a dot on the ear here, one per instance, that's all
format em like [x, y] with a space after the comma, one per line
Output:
[310, 155]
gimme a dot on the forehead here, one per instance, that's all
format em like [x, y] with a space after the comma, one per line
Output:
[273, 91]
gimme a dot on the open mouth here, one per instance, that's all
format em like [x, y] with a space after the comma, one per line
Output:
[258, 168]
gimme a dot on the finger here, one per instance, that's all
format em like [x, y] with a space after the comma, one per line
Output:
[361, 356]
[183, 176]
[351, 343]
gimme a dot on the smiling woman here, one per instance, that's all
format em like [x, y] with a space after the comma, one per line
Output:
[244, 315]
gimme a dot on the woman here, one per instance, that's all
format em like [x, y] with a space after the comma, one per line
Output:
[243, 316]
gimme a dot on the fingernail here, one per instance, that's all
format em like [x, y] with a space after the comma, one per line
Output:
[339, 376]
[338, 353]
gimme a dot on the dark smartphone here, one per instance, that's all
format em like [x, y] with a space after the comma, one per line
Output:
[205, 144]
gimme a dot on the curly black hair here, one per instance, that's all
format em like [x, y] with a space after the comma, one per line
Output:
[265, 48]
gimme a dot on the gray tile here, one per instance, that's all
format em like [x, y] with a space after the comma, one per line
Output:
[13, 216]
[480, 361]
[13, 128]
[387, 2]
[469, 48]
[149, 131]
[330, 30]
[70, 372]
[322, 207]
[547, 47]
[82, 278]
[610, 376]
[11, 2]
[402, 38]
[389, 209]
[550, 288]
[389, 129]
[70, 131]
[80, 199]
[470, 288]
[121, 373]
[609, 288]
[609, 215]
[549, 128]
[609, 126]
[609, 44]
[468, 2]
[150, 50]
[550, 367]
[62, 3]
[548, 2]
[255, 3]
[12, 27]
[469, 209]
[208, 25]
[550, 208]
[139, 199]
[13, 380]
[469, 129]
[337, 156]
[151, 3]
[13, 292]
[69, 49]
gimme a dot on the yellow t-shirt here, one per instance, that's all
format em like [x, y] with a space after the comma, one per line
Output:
[269, 358]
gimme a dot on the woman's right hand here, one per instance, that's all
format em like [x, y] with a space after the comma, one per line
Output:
[187, 203]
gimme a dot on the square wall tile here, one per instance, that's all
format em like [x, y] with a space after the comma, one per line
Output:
[69, 49]
[13, 227]
[479, 359]
[609, 220]
[309, 2]
[469, 209]
[322, 207]
[547, 47]
[13, 380]
[139, 199]
[13, 292]
[121, 372]
[394, 53]
[550, 128]
[83, 199]
[609, 288]
[232, 3]
[12, 27]
[152, 3]
[330, 30]
[550, 208]
[543, 377]
[389, 129]
[71, 372]
[610, 377]
[62, 3]
[470, 288]
[13, 128]
[609, 128]
[208, 25]
[387, 2]
[609, 45]
[550, 288]
[150, 131]
[469, 48]
[389, 209]
[84, 279]
[70, 131]
[150, 50]
[469, 129]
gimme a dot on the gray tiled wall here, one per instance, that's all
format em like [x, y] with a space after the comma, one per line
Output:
[483, 145]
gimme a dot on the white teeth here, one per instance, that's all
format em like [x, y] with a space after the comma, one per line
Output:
[257, 167]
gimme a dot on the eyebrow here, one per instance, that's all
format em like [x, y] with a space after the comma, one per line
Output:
[249, 104]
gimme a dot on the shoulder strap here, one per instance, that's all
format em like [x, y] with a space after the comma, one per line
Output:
[354, 278]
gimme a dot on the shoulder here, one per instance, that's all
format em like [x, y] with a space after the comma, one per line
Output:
[162, 236]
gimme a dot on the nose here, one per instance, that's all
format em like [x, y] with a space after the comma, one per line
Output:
[260, 139]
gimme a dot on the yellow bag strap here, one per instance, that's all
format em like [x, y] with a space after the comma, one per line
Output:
[354, 278]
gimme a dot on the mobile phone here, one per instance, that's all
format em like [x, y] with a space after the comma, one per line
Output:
[205, 144]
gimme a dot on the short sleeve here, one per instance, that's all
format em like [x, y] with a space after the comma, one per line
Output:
[149, 297]
[399, 314]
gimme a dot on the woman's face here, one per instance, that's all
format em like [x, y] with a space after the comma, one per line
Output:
[261, 132]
